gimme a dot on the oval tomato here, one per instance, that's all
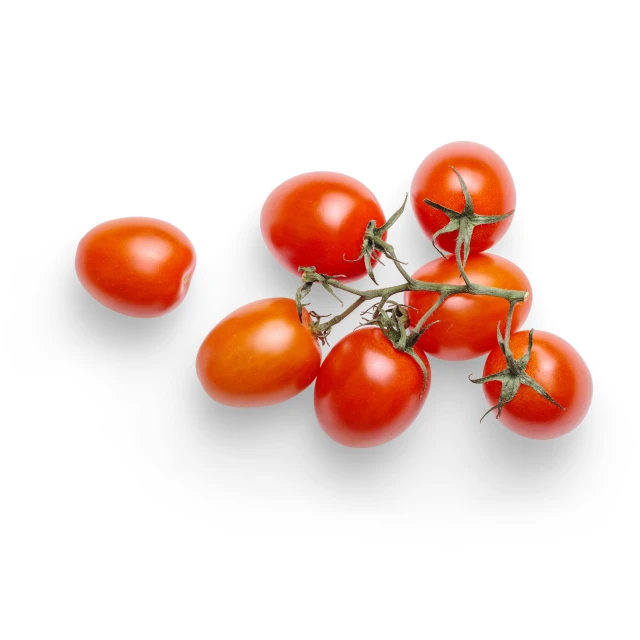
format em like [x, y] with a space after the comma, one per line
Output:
[140, 267]
[467, 323]
[489, 183]
[259, 355]
[367, 392]
[318, 220]
[563, 374]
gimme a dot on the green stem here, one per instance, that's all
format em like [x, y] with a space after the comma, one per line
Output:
[323, 327]
[446, 290]
[373, 242]
[421, 327]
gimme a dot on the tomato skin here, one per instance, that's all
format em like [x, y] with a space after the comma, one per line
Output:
[560, 369]
[489, 183]
[140, 267]
[318, 220]
[259, 355]
[367, 392]
[468, 324]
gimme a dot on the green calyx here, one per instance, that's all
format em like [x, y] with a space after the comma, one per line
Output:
[464, 222]
[393, 320]
[309, 277]
[513, 376]
[373, 246]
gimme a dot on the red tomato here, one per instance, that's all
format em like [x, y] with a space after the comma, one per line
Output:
[259, 355]
[488, 181]
[318, 220]
[563, 374]
[367, 392]
[468, 323]
[140, 267]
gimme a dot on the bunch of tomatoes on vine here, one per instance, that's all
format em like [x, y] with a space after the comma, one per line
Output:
[330, 229]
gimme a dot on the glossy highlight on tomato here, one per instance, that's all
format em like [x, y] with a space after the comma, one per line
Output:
[367, 392]
[467, 324]
[318, 220]
[489, 183]
[140, 267]
[259, 355]
[562, 372]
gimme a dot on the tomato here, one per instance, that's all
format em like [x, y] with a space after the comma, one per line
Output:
[140, 267]
[367, 392]
[563, 374]
[259, 355]
[318, 220]
[467, 323]
[489, 183]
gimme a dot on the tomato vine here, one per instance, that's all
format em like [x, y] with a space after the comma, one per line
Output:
[393, 318]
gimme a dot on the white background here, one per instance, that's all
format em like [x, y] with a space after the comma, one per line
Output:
[131, 505]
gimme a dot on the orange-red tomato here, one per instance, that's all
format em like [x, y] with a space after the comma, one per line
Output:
[140, 267]
[318, 220]
[563, 374]
[367, 392]
[467, 323]
[259, 355]
[488, 181]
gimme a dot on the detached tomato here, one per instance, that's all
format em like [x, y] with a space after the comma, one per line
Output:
[367, 392]
[259, 355]
[489, 183]
[140, 267]
[468, 323]
[563, 374]
[318, 220]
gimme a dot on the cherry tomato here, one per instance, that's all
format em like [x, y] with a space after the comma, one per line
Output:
[318, 220]
[488, 181]
[468, 323]
[259, 355]
[563, 374]
[140, 267]
[367, 392]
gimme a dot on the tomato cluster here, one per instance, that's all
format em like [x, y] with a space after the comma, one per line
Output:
[373, 383]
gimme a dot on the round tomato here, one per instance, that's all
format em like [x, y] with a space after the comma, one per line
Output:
[467, 323]
[318, 220]
[367, 392]
[489, 184]
[259, 355]
[563, 374]
[140, 267]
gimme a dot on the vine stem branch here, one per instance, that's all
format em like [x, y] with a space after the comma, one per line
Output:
[326, 326]
[375, 246]
[411, 284]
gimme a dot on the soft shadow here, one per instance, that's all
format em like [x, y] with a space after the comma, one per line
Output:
[518, 462]
[523, 461]
[250, 427]
[101, 325]
[268, 274]
[294, 423]
[346, 469]
[495, 453]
